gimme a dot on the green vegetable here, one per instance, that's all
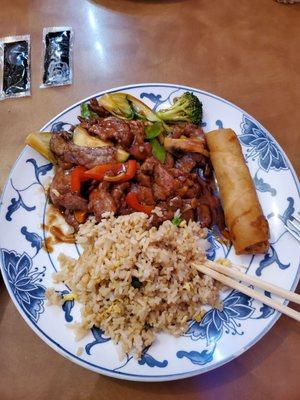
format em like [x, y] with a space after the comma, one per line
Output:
[158, 150]
[141, 110]
[176, 221]
[152, 131]
[147, 326]
[186, 108]
[81, 137]
[40, 141]
[126, 106]
[136, 283]
[86, 113]
[117, 104]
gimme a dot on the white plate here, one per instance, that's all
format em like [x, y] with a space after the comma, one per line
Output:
[220, 336]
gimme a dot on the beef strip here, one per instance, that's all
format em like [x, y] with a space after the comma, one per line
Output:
[148, 168]
[188, 162]
[185, 206]
[164, 183]
[193, 191]
[148, 165]
[87, 123]
[142, 178]
[168, 208]
[69, 154]
[175, 203]
[165, 213]
[124, 209]
[187, 209]
[188, 130]
[118, 192]
[101, 201]
[71, 220]
[204, 215]
[114, 129]
[218, 216]
[139, 149]
[144, 194]
[61, 195]
[169, 162]
[210, 211]
[96, 108]
[194, 187]
[59, 145]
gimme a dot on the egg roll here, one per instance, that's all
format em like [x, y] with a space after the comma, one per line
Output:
[248, 228]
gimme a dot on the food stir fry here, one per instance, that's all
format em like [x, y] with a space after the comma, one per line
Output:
[122, 157]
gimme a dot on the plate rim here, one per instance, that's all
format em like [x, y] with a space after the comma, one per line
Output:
[119, 374]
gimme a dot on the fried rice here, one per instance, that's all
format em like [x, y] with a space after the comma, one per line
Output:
[134, 282]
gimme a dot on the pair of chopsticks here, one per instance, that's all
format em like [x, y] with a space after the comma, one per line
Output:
[224, 275]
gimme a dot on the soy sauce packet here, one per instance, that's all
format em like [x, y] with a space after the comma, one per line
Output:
[57, 68]
[14, 66]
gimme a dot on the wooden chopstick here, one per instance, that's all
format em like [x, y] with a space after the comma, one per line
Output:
[248, 291]
[252, 280]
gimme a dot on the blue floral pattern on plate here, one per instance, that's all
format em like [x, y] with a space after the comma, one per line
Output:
[150, 360]
[146, 359]
[196, 357]
[32, 237]
[262, 146]
[24, 281]
[236, 306]
[99, 338]
[26, 276]
[67, 306]
[263, 186]
[16, 203]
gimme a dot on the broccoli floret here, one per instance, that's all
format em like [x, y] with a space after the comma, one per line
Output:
[186, 108]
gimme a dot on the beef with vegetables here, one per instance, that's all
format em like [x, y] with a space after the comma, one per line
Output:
[123, 157]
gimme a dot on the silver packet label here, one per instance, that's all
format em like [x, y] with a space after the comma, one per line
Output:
[14, 66]
[57, 57]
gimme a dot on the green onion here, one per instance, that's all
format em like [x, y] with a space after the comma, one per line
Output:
[158, 150]
[85, 111]
[176, 221]
[136, 283]
[152, 131]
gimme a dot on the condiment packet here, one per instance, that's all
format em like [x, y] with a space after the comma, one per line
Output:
[14, 66]
[57, 67]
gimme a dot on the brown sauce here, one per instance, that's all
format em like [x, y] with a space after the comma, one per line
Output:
[48, 244]
[53, 225]
[60, 236]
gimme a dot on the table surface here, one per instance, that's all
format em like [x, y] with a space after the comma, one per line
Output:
[246, 51]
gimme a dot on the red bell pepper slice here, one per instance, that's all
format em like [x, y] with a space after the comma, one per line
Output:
[99, 171]
[113, 172]
[129, 171]
[132, 200]
[76, 178]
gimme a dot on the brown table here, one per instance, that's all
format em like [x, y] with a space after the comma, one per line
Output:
[246, 51]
